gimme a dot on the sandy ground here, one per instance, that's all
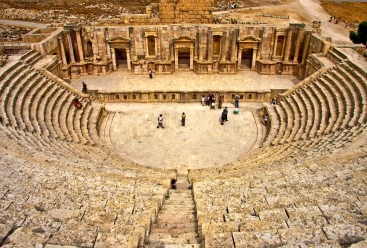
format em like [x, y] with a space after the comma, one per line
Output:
[298, 11]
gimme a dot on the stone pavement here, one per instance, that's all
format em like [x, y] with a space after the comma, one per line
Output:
[202, 143]
[119, 81]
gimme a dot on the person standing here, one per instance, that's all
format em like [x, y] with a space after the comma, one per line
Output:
[84, 88]
[183, 118]
[225, 111]
[220, 101]
[160, 121]
[236, 100]
[223, 116]
[203, 100]
[150, 74]
[265, 119]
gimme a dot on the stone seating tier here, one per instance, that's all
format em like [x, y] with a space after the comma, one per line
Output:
[56, 205]
[286, 198]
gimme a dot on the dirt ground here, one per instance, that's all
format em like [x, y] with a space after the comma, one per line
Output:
[298, 11]
[354, 12]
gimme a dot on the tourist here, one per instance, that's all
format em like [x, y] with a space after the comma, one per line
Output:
[272, 101]
[223, 117]
[236, 101]
[265, 119]
[84, 89]
[160, 121]
[225, 110]
[77, 104]
[203, 100]
[150, 74]
[346, 24]
[220, 101]
[209, 100]
[183, 117]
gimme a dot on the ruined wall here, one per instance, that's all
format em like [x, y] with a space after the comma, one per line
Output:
[185, 11]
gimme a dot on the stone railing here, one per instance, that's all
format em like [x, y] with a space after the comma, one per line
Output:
[177, 96]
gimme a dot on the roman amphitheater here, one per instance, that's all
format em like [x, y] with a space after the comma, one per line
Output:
[106, 176]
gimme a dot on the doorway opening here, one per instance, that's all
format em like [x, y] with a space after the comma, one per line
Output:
[184, 58]
[246, 58]
[121, 59]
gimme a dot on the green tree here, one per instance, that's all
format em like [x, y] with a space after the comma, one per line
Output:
[361, 35]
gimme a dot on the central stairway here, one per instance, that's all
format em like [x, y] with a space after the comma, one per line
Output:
[176, 224]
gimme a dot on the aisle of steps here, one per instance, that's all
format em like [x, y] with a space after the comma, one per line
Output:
[176, 224]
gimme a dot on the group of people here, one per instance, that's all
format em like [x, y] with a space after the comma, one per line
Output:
[337, 20]
[160, 120]
[77, 104]
[210, 100]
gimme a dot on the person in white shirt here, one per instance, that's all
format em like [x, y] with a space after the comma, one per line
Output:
[160, 121]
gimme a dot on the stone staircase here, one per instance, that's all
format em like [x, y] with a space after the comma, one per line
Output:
[176, 224]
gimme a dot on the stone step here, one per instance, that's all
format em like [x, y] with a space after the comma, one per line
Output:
[178, 206]
[183, 202]
[174, 231]
[174, 246]
[175, 218]
[182, 185]
[187, 191]
[174, 226]
[166, 238]
[174, 210]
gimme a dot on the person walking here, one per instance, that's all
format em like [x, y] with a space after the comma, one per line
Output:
[150, 74]
[203, 100]
[223, 117]
[265, 119]
[160, 121]
[183, 117]
[225, 111]
[236, 101]
[84, 88]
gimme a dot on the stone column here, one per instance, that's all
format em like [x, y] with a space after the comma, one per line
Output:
[210, 45]
[298, 44]
[80, 45]
[176, 58]
[155, 46]
[254, 54]
[146, 47]
[113, 55]
[305, 47]
[239, 58]
[71, 50]
[108, 49]
[234, 43]
[201, 51]
[261, 35]
[167, 54]
[288, 46]
[275, 45]
[191, 58]
[128, 59]
[62, 51]
[223, 49]
[197, 44]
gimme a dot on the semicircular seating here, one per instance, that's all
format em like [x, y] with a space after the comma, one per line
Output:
[58, 187]
[306, 185]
